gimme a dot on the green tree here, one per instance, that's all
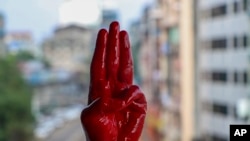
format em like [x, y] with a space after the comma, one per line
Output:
[16, 120]
[27, 56]
[24, 56]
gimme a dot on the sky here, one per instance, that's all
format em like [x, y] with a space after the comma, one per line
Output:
[40, 17]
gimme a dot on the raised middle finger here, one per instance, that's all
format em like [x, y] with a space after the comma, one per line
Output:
[113, 51]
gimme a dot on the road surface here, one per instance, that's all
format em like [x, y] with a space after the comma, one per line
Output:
[71, 131]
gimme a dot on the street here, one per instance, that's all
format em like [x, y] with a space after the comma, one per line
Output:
[71, 131]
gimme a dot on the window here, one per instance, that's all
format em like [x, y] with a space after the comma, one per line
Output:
[218, 138]
[245, 79]
[235, 77]
[245, 5]
[243, 75]
[236, 5]
[219, 43]
[235, 42]
[220, 108]
[245, 41]
[219, 11]
[219, 76]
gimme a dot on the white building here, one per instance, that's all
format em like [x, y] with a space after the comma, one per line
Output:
[222, 65]
[17, 41]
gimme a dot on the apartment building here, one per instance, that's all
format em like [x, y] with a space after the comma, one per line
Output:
[70, 49]
[18, 41]
[176, 32]
[169, 26]
[222, 50]
[148, 66]
[167, 55]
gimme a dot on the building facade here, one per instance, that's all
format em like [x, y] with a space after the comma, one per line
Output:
[70, 44]
[51, 94]
[70, 49]
[169, 25]
[222, 50]
[18, 41]
[168, 69]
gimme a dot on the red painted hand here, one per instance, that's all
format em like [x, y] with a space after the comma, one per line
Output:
[116, 109]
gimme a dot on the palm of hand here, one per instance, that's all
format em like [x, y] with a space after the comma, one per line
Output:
[116, 109]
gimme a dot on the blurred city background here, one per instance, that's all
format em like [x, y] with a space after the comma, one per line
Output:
[191, 59]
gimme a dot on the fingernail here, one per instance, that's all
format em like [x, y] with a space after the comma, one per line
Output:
[114, 26]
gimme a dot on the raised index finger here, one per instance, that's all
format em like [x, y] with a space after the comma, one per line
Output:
[97, 69]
